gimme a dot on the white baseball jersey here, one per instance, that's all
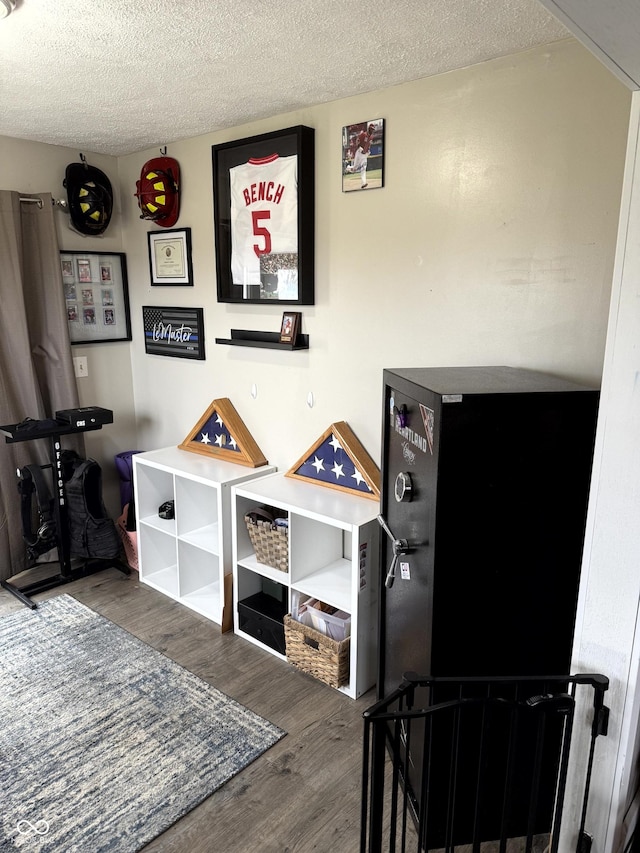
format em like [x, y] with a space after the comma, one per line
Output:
[264, 213]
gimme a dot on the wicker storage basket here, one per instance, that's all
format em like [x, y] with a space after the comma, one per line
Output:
[317, 654]
[270, 543]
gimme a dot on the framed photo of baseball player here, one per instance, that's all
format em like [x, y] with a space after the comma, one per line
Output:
[363, 155]
[264, 209]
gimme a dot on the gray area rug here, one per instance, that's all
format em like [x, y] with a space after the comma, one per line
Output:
[105, 742]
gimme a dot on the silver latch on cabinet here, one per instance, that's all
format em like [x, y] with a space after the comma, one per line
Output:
[399, 547]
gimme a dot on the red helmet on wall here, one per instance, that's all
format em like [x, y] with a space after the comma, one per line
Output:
[158, 191]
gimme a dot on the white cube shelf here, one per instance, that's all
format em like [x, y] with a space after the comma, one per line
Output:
[333, 556]
[188, 557]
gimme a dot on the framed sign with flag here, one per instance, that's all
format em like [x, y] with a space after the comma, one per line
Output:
[177, 332]
[338, 460]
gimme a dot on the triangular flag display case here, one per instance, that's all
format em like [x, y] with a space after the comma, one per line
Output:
[338, 460]
[221, 433]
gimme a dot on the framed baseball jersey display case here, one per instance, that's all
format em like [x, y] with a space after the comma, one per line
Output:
[263, 205]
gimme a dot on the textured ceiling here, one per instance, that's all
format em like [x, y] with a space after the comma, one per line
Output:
[118, 77]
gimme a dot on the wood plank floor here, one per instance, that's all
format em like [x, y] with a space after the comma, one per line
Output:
[303, 795]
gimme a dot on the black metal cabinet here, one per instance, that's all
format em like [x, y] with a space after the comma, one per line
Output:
[485, 483]
[485, 475]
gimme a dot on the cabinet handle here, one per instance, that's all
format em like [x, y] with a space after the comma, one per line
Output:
[399, 546]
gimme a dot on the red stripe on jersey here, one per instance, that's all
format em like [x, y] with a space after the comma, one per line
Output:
[260, 161]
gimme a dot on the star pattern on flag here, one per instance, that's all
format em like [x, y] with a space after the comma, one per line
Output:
[330, 463]
[357, 476]
[214, 431]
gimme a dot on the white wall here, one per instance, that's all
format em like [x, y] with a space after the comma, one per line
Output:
[607, 635]
[492, 242]
[609, 30]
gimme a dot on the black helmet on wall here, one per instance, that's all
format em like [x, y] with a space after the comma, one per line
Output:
[90, 198]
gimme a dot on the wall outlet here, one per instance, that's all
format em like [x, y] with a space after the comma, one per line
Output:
[80, 366]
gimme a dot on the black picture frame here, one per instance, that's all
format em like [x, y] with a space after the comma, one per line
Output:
[96, 295]
[283, 277]
[363, 169]
[170, 262]
[174, 332]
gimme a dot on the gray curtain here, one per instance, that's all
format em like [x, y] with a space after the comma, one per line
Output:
[36, 370]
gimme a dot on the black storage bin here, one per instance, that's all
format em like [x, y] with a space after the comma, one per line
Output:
[262, 616]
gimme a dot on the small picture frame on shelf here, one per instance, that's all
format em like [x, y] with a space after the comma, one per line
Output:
[290, 327]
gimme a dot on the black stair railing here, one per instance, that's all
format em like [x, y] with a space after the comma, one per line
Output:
[464, 761]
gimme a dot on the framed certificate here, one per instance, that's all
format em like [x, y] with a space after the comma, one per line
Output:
[170, 257]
